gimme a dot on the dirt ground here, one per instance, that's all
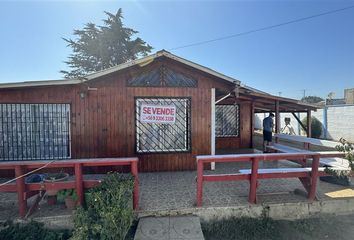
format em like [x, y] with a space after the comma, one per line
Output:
[321, 227]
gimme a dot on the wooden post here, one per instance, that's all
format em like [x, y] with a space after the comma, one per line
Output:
[199, 183]
[314, 176]
[277, 117]
[134, 170]
[252, 123]
[253, 181]
[212, 165]
[309, 123]
[21, 188]
[79, 183]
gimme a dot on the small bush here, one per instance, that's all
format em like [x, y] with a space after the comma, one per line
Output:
[348, 149]
[62, 194]
[109, 211]
[316, 127]
[31, 231]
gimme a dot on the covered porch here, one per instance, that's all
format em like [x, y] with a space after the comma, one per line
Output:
[247, 102]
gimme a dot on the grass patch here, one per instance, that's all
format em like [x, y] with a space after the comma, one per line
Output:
[242, 228]
[320, 227]
[31, 231]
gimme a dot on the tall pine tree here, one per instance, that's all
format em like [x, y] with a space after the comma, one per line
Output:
[100, 47]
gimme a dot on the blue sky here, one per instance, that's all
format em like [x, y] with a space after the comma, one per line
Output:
[316, 55]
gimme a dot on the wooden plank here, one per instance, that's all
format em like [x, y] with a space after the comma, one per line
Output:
[259, 156]
[225, 177]
[68, 163]
[286, 149]
[279, 170]
[336, 162]
[11, 187]
[313, 141]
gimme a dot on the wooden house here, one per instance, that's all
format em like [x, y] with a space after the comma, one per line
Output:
[162, 108]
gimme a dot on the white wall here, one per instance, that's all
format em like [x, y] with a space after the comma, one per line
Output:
[340, 121]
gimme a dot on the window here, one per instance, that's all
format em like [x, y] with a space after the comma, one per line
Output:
[163, 125]
[227, 120]
[34, 131]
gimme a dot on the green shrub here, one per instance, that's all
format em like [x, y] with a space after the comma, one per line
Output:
[109, 212]
[316, 127]
[31, 231]
[348, 149]
[62, 194]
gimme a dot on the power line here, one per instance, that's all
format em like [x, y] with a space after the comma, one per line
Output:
[262, 29]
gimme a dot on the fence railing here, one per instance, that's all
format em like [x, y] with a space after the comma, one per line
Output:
[26, 190]
[307, 178]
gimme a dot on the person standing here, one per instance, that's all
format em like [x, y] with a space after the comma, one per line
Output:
[268, 125]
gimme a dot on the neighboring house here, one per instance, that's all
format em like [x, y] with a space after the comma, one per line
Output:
[162, 108]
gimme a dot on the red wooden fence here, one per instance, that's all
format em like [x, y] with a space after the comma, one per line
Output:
[26, 190]
[308, 179]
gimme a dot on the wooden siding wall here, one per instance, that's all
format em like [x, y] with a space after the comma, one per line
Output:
[245, 138]
[103, 123]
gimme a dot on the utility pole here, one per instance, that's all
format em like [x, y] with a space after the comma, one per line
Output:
[279, 93]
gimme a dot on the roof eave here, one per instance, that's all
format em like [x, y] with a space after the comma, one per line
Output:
[40, 83]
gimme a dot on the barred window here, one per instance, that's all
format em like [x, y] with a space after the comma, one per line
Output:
[163, 125]
[34, 131]
[227, 120]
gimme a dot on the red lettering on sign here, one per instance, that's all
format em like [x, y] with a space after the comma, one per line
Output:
[146, 110]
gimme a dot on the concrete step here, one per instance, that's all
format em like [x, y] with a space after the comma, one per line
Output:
[169, 228]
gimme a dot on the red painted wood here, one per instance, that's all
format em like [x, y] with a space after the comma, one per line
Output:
[314, 176]
[61, 185]
[8, 188]
[253, 119]
[254, 175]
[79, 184]
[70, 163]
[306, 182]
[21, 188]
[134, 170]
[226, 177]
[253, 181]
[259, 156]
[51, 186]
[200, 167]
[283, 175]
[225, 143]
